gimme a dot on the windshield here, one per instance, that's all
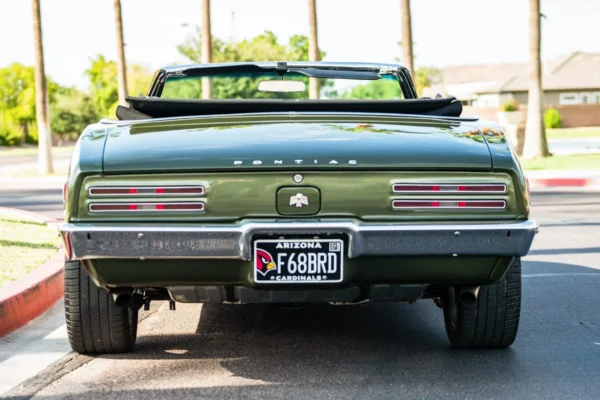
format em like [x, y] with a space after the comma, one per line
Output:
[262, 85]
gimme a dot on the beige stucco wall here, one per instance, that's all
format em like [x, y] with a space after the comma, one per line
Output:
[572, 115]
[550, 97]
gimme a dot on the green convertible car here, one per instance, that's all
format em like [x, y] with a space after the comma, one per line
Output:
[226, 184]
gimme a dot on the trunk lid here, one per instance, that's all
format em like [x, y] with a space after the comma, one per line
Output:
[293, 141]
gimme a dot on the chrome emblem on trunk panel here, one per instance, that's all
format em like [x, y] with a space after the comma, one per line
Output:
[295, 162]
[299, 200]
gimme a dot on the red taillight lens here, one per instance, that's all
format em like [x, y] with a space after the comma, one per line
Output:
[120, 207]
[68, 248]
[420, 204]
[528, 194]
[65, 193]
[147, 190]
[448, 188]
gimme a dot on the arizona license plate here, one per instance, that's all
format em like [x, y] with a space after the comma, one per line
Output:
[298, 260]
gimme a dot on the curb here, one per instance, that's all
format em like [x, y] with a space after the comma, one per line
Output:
[35, 293]
[31, 295]
[42, 219]
[588, 183]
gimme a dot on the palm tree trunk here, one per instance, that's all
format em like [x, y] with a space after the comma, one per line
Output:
[41, 96]
[121, 65]
[313, 47]
[206, 47]
[407, 42]
[536, 144]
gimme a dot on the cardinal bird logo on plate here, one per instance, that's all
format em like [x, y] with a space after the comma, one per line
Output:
[264, 262]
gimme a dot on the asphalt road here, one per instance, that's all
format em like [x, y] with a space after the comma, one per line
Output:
[44, 200]
[371, 351]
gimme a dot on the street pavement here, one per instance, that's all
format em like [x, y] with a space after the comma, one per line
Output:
[44, 196]
[574, 146]
[374, 351]
[10, 164]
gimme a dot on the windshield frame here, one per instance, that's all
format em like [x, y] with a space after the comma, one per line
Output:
[320, 69]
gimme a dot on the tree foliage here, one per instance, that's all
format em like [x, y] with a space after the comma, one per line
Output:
[17, 92]
[375, 90]
[103, 89]
[72, 111]
[425, 77]
[264, 47]
[17, 104]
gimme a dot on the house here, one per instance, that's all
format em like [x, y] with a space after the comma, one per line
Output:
[570, 83]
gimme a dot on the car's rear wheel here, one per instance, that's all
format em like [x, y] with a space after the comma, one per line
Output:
[490, 321]
[95, 324]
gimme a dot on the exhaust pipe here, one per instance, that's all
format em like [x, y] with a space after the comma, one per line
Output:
[122, 297]
[467, 295]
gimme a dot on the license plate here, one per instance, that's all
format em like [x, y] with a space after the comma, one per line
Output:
[298, 261]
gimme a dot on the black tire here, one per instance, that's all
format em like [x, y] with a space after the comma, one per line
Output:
[493, 321]
[95, 324]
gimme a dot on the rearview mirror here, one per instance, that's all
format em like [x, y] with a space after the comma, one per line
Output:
[281, 86]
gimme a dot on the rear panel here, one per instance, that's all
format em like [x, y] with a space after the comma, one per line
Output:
[365, 195]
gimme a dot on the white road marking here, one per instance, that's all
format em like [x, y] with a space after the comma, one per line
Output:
[544, 275]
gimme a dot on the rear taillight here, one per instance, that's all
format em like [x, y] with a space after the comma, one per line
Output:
[64, 193]
[146, 191]
[448, 188]
[528, 194]
[145, 206]
[448, 195]
[68, 247]
[445, 203]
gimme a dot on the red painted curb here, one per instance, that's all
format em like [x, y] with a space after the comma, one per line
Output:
[31, 295]
[35, 293]
[565, 182]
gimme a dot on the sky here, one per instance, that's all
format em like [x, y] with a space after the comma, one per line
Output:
[445, 32]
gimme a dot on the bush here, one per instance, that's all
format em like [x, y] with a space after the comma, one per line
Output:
[71, 113]
[32, 133]
[552, 119]
[510, 106]
[11, 133]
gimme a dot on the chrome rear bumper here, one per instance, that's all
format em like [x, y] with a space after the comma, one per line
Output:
[90, 241]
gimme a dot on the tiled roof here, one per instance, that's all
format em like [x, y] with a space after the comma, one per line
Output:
[577, 70]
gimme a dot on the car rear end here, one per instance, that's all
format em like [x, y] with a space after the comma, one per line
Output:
[371, 216]
[264, 196]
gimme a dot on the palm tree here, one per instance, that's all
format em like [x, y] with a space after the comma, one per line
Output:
[41, 96]
[206, 51]
[407, 43]
[121, 65]
[313, 47]
[536, 144]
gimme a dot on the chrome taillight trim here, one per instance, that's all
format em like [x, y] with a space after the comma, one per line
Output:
[447, 203]
[148, 207]
[449, 188]
[146, 191]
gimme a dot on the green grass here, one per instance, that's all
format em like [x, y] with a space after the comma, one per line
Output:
[573, 133]
[574, 161]
[24, 246]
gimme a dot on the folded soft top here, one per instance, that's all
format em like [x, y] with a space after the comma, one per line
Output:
[154, 107]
